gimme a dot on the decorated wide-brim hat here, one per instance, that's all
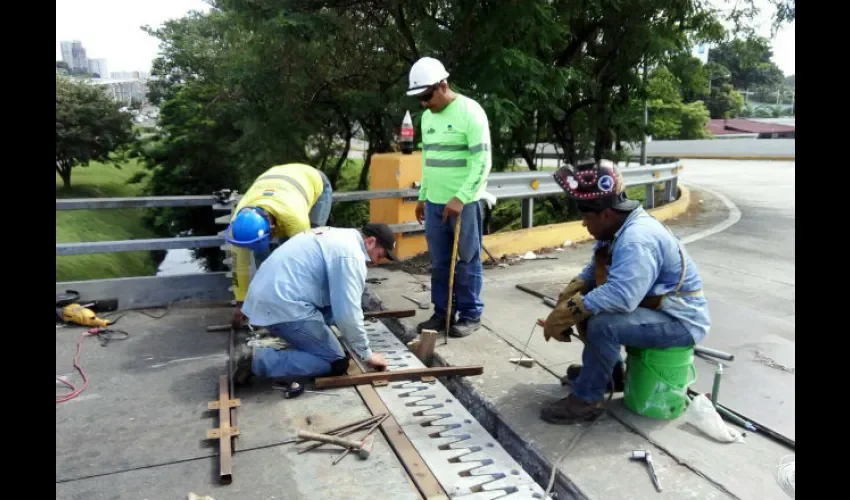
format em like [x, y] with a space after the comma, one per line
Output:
[596, 184]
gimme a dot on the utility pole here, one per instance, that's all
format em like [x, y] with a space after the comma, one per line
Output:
[645, 119]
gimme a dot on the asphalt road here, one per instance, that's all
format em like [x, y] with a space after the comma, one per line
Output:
[749, 273]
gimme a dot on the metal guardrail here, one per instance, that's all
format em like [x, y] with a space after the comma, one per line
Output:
[140, 292]
[525, 186]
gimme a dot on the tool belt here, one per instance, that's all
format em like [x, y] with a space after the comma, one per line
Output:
[603, 257]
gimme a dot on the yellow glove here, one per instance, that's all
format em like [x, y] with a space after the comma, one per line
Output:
[575, 285]
[567, 314]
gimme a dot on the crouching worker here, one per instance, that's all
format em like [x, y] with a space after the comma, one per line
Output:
[315, 279]
[283, 201]
[641, 289]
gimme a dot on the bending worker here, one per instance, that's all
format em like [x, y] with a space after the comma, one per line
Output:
[456, 161]
[283, 201]
[316, 279]
[641, 289]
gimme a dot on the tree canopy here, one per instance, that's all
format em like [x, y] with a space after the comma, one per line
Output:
[89, 126]
[254, 83]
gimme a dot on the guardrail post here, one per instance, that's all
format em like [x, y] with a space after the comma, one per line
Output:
[397, 171]
[670, 190]
[527, 205]
[223, 212]
[650, 196]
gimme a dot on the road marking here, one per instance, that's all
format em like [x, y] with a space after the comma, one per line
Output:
[732, 219]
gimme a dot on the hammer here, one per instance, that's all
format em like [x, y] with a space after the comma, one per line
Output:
[363, 448]
[646, 456]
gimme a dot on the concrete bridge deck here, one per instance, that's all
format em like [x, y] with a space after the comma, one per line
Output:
[138, 430]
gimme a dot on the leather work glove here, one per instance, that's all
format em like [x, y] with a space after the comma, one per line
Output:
[575, 285]
[567, 314]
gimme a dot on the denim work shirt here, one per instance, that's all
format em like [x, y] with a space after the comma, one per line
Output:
[646, 261]
[315, 271]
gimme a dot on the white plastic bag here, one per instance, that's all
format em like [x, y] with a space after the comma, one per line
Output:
[702, 415]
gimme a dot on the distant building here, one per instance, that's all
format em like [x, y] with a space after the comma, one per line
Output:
[74, 55]
[129, 75]
[741, 127]
[701, 52]
[124, 90]
[98, 67]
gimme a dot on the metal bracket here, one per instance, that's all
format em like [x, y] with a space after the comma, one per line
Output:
[217, 433]
[228, 403]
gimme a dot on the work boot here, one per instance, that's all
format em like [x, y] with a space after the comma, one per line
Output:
[570, 410]
[433, 323]
[465, 327]
[618, 375]
[244, 357]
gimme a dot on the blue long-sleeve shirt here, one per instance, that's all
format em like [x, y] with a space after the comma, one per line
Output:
[646, 261]
[317, 275]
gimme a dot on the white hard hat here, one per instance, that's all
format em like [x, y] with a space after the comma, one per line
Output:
[424, 73]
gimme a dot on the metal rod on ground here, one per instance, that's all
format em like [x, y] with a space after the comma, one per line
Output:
[339, 434]
[713, 353]
[368, 432]
[356, 425]
[449, 313]
[489, 254]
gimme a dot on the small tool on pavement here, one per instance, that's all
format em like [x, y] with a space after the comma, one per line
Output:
[294, 389]
[363, 448]
[646, 456]
[524, 362]
[421, 305]
[368, 433]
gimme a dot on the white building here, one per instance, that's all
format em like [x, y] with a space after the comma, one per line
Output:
[701, 52]
[98, 67]
[74, 55]
[124, 90]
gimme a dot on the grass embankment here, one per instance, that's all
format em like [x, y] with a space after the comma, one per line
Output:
[100, 181]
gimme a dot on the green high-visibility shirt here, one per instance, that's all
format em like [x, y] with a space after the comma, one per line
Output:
[456, 157]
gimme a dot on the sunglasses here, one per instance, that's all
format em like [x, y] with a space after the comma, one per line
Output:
[428, 94]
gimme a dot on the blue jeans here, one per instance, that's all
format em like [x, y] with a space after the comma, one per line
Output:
[322, 208]
[469, 273]
[606, 332]
[312, 349]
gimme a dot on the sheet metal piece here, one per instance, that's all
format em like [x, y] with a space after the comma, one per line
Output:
[467, 461]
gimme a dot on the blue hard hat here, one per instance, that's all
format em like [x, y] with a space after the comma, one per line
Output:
[250, 229]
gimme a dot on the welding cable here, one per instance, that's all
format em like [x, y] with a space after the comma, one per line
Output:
[584, 431]
[105, 336]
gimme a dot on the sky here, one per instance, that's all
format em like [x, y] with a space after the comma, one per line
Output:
[110, 29]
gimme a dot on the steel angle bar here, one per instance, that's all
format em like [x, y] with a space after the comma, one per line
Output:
[463, 456]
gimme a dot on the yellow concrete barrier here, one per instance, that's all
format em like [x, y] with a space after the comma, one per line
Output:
[399, 171]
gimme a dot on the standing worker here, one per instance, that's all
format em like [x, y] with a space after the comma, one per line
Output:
[641, 289]
[316, 279]
[456, 161]
[283, 201]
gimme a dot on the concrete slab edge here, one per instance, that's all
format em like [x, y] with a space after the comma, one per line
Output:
[554, 235]
[527, 455]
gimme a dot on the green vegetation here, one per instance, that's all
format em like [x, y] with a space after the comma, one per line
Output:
[90, 127]
[102, 180]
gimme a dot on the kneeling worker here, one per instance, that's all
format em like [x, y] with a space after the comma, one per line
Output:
[282, 202]
[315, 279]
[641, 289]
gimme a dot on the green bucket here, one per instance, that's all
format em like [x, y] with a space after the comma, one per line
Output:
[657, 381]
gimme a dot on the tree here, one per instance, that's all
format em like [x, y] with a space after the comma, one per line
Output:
[749, 62]
[725, 102]
[669, 116]
[89, 126]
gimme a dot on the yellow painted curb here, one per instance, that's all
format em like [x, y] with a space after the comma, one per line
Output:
[554, 235]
